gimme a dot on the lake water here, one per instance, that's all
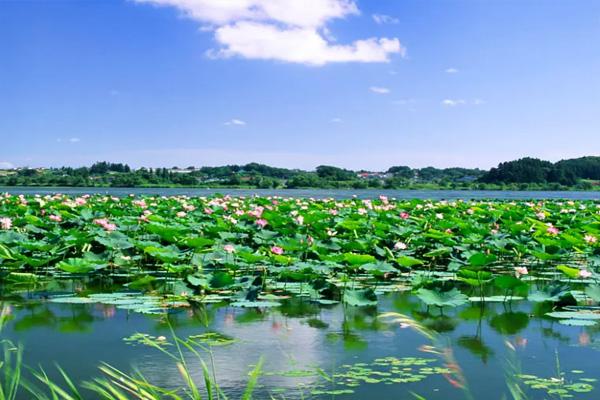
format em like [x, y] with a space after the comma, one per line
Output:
[300, 336]
[318, 193]
[361, 355]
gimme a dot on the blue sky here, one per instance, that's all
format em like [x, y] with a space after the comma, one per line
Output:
[359, 84]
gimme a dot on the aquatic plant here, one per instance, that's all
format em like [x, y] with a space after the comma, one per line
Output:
[253, 251]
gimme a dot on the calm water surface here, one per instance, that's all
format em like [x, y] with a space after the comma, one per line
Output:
[317, 193]
[301, 336]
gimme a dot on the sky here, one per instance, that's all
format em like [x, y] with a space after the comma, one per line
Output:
[361, 84]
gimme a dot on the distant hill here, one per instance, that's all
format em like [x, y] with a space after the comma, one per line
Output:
[533, 170]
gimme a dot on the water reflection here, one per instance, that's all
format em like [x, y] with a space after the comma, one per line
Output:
[302, 336]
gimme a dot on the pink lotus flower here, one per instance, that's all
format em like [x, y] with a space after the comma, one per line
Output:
[519, 271]
[261, 222]
[584, 274]
[140, 203]
[552, 230]
[299, 220]
[541, 215]
[277, 250]
[5, 223]
[55, 218]
[181, 214]
[404, 215]
[104, 223]
[80, 201]
[257, 212]
[229, 248]
[590, 239]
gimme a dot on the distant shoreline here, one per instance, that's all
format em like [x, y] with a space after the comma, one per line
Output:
[338, 194]
[415, 188]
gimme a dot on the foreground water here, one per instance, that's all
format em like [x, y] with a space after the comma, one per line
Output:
[316, 193]
[368, 357]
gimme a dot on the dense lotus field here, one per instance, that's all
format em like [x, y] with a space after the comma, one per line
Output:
[151, 253]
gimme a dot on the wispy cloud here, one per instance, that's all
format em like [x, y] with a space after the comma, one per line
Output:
[284, 30]
[335, 120]
[453, 102]
[69, 140]
[379, 90]
[452, 70]
[384, 19]
[462, 102]
[235, 121]
[6, 165]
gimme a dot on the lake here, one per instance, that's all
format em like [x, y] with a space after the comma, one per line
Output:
[489, 299]
[365, 353]
[317, 193]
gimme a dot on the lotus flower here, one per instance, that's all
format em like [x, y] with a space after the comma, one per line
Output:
[584, 274]
[5, 223]
[590, 239]
[519, 271]
[277, 250]
[400, 246]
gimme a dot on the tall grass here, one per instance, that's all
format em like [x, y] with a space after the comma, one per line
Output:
[114, 384]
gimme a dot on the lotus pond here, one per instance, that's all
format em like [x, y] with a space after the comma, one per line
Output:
[273, 298]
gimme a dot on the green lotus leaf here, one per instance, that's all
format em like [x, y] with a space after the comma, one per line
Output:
[451, 298]
[360, 297]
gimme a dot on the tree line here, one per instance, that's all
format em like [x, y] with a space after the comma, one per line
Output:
[525, 173]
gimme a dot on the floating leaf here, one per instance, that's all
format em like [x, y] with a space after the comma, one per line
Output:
[451, 298]
[357, 297]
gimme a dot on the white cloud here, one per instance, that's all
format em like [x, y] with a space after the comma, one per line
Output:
[384, 19]
[453, 102]
[6, 165]
[284, 30]
[379, 90]
[235, 121]
[305, 13]
[451, 70]
[462, 102]
[336, 120]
